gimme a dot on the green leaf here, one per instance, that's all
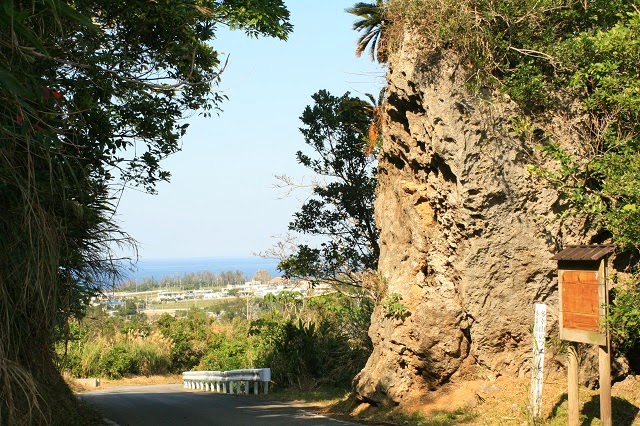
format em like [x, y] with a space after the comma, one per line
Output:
[11, 84]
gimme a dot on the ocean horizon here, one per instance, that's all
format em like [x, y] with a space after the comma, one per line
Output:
[177, 267]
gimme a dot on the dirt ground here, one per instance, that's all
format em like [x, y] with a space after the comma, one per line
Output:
[505, 401]
[79, 385]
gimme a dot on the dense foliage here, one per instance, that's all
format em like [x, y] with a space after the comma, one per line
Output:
[320, 341]
[92, 94]
[341, 207]
[624, 320]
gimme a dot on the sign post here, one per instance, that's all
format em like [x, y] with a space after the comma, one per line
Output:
[604, 364]
[537, 374]
[572, 385]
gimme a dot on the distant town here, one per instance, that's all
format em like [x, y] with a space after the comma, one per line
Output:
[172, 300]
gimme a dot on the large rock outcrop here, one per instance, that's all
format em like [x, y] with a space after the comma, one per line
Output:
[466, 239]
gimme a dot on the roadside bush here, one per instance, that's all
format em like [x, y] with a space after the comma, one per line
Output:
[116, 363]
[227, 352]
[151, 353]
[308, 355]
[189, 336]
[624, 320]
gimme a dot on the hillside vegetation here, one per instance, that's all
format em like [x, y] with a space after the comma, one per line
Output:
[306, 343]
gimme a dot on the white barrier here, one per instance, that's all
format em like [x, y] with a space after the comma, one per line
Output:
[223, 381]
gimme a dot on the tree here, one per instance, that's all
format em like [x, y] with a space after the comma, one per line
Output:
[262, 275]
[91, 101]
[372, 24]
[341, 208]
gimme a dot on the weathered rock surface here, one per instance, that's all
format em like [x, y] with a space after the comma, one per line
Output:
[465, 233]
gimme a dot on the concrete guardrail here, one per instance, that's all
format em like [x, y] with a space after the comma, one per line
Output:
[228, 381]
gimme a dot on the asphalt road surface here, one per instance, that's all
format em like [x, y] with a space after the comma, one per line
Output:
[165, 405]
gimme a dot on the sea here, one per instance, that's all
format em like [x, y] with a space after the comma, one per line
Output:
[175, 268]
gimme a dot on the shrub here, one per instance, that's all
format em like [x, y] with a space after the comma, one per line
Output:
[227, 352]
[624, 319]
[394, 307]
[307, 355]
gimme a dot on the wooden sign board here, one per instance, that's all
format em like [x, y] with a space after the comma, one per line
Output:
[583, 297]
[582, 285]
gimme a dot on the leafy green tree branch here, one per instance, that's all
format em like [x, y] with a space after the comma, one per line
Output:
[340, 209]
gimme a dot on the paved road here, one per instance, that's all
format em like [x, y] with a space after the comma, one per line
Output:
[170, 405]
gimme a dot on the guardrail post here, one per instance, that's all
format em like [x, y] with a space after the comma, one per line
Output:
[265, 377]
[255, 387]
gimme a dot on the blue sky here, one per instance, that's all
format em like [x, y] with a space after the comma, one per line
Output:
[221, 200]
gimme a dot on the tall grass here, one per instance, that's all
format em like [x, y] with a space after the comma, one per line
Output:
[130, 353]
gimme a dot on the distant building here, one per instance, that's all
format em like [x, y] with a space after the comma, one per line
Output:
[170, 295]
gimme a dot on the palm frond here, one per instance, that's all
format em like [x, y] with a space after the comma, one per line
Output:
[371, 24]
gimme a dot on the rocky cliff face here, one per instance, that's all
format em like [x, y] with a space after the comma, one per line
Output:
[463, 234]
